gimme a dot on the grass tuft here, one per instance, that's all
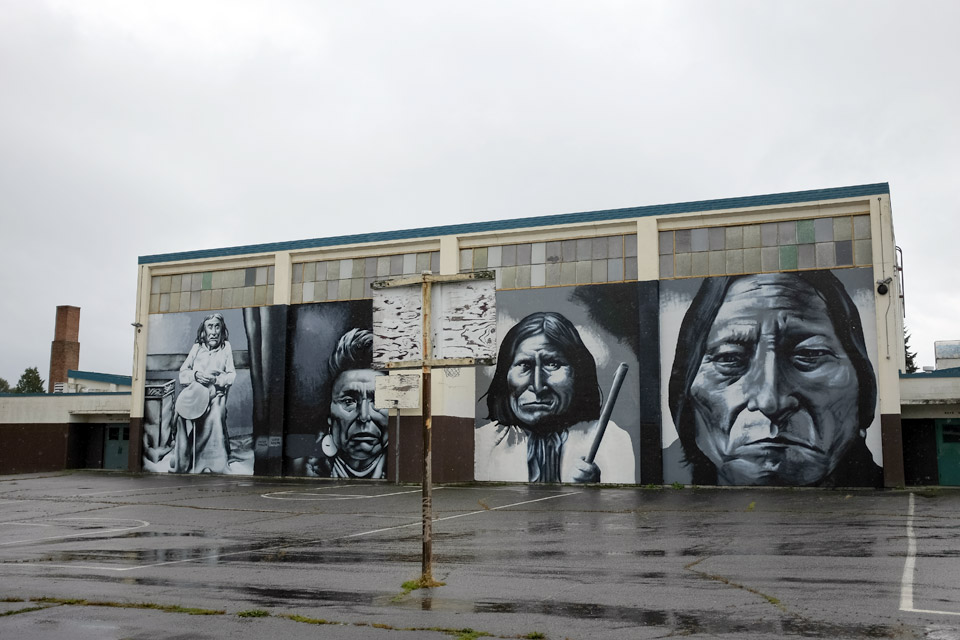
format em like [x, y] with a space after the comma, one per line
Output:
[253, 613]
[421, 583]
[168, 608]
[304, 619]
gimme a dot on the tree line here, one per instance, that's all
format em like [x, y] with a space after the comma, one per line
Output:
[30, 382]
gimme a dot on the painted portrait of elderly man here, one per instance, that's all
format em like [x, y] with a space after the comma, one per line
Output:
[354, 442]
[543, 400]
[332, 428]
[771, 383]
[206, 424]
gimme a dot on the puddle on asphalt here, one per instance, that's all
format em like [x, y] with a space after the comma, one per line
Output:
[547, 527]
[686, 623]
[271, 553]
[849, 548]
[275, 597]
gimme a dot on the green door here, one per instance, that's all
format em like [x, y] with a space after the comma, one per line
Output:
[948, 451]
[115, 447]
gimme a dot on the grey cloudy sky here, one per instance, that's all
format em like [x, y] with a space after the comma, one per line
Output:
[134, 128]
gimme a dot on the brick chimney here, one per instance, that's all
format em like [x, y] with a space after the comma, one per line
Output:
[65, 349]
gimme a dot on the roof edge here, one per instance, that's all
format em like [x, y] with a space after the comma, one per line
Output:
[792, 197]
[100, 377]
[951, 372]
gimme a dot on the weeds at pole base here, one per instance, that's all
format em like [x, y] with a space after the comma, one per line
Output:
[423, 582]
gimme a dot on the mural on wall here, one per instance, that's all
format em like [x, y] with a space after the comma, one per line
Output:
[333, 429]
[770, 380]
[203, 359]
[539, 411]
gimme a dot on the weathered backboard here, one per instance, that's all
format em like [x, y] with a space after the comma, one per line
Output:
[397, 324]
[463, 322]
[400, 391]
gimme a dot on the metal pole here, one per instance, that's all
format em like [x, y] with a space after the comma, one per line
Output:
[427, 564]
[427, 560]
[396, 449]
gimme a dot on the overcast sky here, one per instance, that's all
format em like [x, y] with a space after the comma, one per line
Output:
[131, 128]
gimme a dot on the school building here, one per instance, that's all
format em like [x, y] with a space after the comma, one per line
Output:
[757, 340]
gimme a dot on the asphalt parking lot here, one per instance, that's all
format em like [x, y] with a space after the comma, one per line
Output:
[101, 555]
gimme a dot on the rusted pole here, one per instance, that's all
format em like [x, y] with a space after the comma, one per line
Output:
[427, 560]
[427, 563]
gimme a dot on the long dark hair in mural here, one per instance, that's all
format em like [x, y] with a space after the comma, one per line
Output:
[198, 403]
[544, 400]
[771, 383]
[333, 428]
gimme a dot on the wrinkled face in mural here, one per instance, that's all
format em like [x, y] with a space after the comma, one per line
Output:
[358, 429]
[775, 397]
[213, 330]
[540, 381]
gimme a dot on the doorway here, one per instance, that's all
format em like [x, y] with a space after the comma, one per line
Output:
[948, 451]
[115, 446]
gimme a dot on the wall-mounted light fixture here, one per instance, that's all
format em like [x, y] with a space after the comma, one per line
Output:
[883, 286]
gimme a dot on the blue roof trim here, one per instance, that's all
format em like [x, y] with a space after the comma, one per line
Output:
[100, 377]
[792, 197]
[952, 372]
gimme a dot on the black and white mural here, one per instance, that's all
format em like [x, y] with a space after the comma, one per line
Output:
[562, 403]
[201, 361]
[333, 428]
[770, 379]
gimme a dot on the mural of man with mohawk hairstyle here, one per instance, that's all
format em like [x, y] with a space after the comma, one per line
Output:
[355, 442]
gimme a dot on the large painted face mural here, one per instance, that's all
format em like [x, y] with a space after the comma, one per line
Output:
[771, 382]
[333, 428]
[193, 385]
[297, 384]
[543, 401]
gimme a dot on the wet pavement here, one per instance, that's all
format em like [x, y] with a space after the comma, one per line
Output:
[517, 560]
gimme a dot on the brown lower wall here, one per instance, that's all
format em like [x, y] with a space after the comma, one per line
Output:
[891, 439]
[135, 452]
[32, 448]
[451, 449]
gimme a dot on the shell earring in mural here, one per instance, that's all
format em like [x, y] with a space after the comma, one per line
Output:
[328, 446]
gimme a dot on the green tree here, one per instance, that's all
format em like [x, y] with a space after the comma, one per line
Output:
[4, 386]
[30, 382]
[909, 356]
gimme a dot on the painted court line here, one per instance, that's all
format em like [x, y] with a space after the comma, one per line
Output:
[215, 556]
[459, 515]
[279, 495]
[158, 488]
[909, 569]
[98, 532]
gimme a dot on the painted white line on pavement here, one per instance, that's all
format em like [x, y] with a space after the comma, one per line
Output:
[910, 564]
[157, 488]
[279, 495]
[143, 523]
[459, 515]
[909, 569]
[215, 556]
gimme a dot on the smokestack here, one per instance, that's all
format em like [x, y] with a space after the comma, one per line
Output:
[65, 349]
